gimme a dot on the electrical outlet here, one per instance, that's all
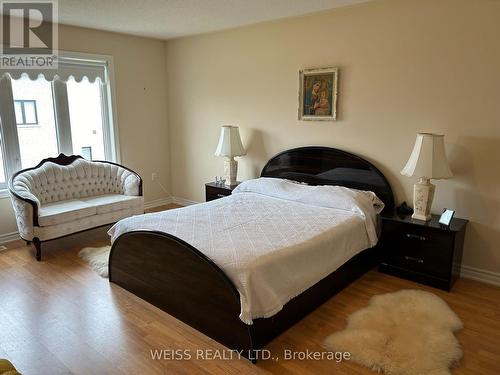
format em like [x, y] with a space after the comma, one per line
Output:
[2, 248]
[154, 176]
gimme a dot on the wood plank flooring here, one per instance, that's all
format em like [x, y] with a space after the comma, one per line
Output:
[59, 317]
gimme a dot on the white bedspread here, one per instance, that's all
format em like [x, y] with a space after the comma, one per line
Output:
[270, 245]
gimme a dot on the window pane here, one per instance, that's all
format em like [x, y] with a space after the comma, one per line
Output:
[19, 112]
[87, 153]
[30, 112]
[85, 113]
[39, 142]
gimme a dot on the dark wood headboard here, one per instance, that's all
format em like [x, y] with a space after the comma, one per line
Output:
[328, 166]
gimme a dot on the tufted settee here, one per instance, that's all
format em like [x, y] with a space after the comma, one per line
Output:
[69, 194]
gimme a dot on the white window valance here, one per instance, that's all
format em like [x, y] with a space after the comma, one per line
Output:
[67, 68]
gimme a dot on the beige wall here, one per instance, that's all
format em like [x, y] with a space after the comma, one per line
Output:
[405, 66]
[140, 79]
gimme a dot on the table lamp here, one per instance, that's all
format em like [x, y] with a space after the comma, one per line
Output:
[230, 146]
[427, 161]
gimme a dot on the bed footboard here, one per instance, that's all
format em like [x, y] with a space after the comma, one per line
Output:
[177, 278]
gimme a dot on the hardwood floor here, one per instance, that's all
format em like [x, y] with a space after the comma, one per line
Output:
[58, 317]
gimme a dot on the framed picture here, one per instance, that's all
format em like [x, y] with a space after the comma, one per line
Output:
[446, 217]
[318, 94]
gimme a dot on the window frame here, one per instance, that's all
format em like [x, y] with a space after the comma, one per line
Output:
[89, 152]
[23, 113]
[10, 150]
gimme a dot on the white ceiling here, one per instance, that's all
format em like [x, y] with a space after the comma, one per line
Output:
[166, 19]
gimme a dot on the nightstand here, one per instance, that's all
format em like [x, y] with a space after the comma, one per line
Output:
[216, 191]
[426, 252]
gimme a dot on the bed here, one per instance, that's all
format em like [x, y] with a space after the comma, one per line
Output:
[196, 277]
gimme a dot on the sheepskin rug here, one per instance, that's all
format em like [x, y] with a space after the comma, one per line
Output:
[409, 332]
[97, 258]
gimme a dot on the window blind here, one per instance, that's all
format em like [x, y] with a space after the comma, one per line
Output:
[67, 67]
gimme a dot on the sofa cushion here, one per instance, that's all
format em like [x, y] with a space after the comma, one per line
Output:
[64, 211]
[54, 231]
[113, 202]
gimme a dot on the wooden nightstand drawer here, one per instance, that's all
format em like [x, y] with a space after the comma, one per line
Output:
[422, 251]
[429, 263]
[216, 191]
[211, 197]
[419, 249]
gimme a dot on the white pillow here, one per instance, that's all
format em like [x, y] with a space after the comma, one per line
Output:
[322, 195]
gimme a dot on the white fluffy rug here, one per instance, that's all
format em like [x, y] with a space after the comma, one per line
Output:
[409, 332]
[97, 258]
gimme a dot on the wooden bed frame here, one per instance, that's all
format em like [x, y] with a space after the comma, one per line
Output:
[177, 278]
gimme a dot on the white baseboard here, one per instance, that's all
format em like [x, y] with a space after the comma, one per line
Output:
[169, 200]
[489, 277]
[8, 237]
[183, 202]
[158, 202]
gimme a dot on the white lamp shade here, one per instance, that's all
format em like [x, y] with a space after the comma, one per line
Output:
[428, 158]
[230, 142]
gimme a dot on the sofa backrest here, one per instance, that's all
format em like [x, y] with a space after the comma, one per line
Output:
[52, 182]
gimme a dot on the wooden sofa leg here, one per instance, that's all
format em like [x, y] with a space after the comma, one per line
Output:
[38, 247]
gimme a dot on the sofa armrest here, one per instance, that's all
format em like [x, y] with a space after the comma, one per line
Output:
[26, 212]
[26, 206]
[132, 185]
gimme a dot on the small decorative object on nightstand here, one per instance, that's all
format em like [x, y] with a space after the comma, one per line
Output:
[423, 251]
[427, 160]
[446, 217]
[215, 190]
[230, 146]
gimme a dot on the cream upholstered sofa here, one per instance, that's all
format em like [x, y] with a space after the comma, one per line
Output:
[69, 194]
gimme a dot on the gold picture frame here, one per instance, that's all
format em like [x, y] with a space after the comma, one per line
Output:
[318, 89]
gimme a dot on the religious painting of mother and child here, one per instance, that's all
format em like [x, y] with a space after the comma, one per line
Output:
[318, 94]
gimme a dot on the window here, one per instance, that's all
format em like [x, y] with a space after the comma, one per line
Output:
[67, 110]
[38, 142]
[26, 112]
[85, 114]
[87, 152]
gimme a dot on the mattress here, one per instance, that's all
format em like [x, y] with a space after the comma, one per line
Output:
[272, 243]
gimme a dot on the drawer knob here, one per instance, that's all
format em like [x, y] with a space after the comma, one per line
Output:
[413, 259]
[415, 237]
